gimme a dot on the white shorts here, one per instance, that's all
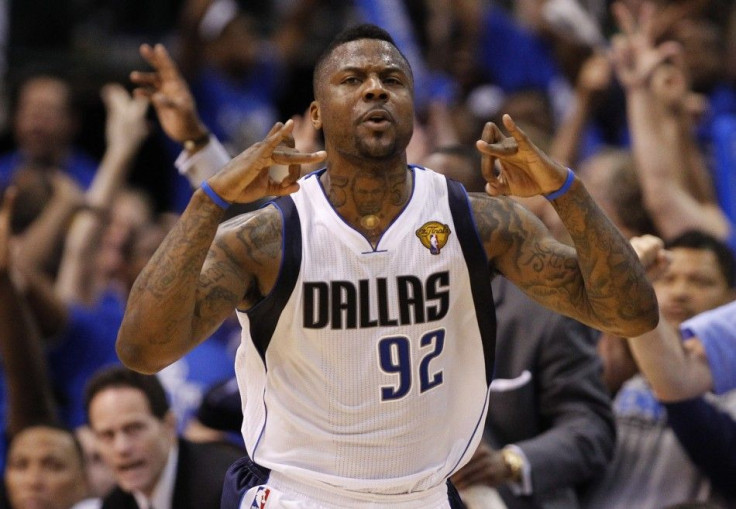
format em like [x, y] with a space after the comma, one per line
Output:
[282, 492]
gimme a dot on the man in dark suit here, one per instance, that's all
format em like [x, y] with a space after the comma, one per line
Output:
[552, 428]
[154, 469]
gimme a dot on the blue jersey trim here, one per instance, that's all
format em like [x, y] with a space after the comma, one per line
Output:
[264, 316]
[479, 270]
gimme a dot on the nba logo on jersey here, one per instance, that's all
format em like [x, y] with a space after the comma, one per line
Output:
[433, 235]
[259, 501]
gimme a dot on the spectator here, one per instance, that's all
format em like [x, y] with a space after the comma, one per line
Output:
[130, 417]
[237, 70]
[91, 308]
[681, 364]
[44, 127]
[676, 184]
[46, 469]
[45, 466]
[650, 468]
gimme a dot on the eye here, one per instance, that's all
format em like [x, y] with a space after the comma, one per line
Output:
[351, 80]
[703, 281]
[392, 80]
[105, 436]
[18, 464]
[54, 464]
[134, 428]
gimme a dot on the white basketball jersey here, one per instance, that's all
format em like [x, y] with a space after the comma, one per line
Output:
[368, 369]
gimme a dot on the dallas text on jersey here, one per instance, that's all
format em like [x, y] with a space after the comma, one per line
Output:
[347, 305]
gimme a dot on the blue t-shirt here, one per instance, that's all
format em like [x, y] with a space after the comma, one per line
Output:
[512, 57]
[187, 380]
[78, 165]
[716, 329]
[87, 344]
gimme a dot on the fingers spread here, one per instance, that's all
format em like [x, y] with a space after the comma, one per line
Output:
[158, 58]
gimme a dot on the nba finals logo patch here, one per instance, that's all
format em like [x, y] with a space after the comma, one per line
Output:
[433, 236]
[259, 502]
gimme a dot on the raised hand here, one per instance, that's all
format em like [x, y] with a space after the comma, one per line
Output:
[170, 95]
[652, 254]
[246, 178]
[595, 75]
[633, 53]
[515, 165]
[126, 117]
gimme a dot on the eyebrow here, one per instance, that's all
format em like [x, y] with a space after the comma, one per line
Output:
[385, 70]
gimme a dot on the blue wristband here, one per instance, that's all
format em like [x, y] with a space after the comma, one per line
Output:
[214, 196]
[565, 187]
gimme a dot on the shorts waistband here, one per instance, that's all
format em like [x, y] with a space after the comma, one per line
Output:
[334, 498]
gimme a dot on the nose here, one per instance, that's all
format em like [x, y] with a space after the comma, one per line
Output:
[374, 89]
[120, 444]
[678, 291]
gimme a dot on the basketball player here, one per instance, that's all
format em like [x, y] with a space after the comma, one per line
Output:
[366, 354]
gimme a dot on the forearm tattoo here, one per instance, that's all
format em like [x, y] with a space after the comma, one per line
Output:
[617, 284]
[161, 290]
[599, 282]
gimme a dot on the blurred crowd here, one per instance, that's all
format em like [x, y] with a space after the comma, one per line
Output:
[638, 98]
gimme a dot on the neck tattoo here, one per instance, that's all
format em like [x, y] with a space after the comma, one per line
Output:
[369, 222]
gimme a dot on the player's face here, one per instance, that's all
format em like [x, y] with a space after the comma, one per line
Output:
[365, 100]
[132, 441]
[692, 284]
[44, 470]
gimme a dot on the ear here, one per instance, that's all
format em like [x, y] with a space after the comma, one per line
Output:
[315, 115]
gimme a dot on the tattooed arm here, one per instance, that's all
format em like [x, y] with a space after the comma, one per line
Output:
[199, 273]
[599, 281]
[178, 299]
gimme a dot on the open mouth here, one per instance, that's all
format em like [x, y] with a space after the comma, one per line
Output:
[129, 467]
[377, 118]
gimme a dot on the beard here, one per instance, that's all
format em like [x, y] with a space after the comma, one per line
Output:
[377, 149]
[382, 145]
